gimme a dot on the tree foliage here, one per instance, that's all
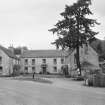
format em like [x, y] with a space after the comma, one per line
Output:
[75, 29]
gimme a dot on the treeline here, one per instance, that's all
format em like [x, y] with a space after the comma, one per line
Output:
[99, 46]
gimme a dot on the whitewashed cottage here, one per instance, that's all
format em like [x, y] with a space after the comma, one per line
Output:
[43, 61]
[7, 61]
[87, 54]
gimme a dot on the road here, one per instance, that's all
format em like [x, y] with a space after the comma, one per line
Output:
[61, 92]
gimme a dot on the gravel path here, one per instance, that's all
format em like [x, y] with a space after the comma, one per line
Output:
[61, 92]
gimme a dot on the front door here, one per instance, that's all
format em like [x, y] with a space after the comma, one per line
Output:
[1, 69]
[44, 70]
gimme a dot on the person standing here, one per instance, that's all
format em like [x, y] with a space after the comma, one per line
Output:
[33, 75]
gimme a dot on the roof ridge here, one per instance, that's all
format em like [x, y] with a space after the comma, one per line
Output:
[8, 52]
[44, 53]
[44, 50]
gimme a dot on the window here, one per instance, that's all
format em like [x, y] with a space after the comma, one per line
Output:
[55, 61]
[33, 61]
[1, 69]
[0, 60]
[62, 61]
[55, 69]
[26, 69]
[26, 61]
[33, 69]
[44, 60]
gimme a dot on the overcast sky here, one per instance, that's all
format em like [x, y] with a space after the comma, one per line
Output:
[26, 22]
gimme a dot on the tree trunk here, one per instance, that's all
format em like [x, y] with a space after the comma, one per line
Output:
[77, 47]
[78, 59]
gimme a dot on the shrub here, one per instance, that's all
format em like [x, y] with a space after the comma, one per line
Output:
[80, 78]
[40, 72]
[16, 70]
[47, 72]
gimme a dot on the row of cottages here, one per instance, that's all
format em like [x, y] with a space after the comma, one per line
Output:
[7, 61]
[51, 61]
[47, 61]
[89, 60]
[43, 61]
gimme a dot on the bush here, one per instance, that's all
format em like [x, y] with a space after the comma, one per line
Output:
[40, 72]
[47, 72]
[44, 73]
[16, 70]
[80, 78]
[64, 70]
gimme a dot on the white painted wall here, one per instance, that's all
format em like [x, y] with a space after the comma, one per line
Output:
[7, 63]
[38, 63]
[90, 56]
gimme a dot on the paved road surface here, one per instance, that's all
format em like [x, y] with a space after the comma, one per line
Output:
[61, 92]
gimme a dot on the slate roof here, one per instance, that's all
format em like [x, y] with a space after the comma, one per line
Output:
[43, 53]
[8, 52]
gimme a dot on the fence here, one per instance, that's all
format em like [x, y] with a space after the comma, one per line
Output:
[97, 80]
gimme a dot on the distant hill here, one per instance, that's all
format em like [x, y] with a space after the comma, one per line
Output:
[99, 46]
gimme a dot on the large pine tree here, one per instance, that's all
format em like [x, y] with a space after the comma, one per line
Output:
[75, 29]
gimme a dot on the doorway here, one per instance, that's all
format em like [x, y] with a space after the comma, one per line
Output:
[44, 70]
[1, 69]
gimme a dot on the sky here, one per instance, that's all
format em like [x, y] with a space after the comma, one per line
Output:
[26, 22]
